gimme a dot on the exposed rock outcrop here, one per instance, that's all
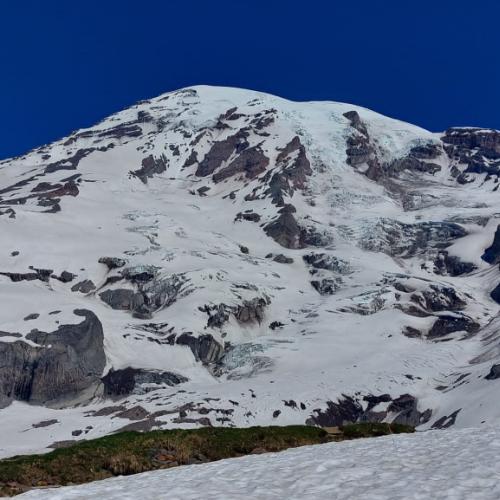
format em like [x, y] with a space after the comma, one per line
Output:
[326, 286]
[129, 380]
[327, 262]
[217, 315]
[85, 286]
[495, 294]
[35, 274]
[221, 151]
[112, 262]
[250, 162]
[447, 324]
[150, 167]
[204, 347]
[152, 293]
[494, 373]
[492, 254]
[251, 311]
[450, 265]
[476, 148]
[402, 410]
[285, 230]
[61, 368]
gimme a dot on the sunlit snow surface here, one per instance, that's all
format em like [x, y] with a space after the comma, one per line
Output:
[453, 464]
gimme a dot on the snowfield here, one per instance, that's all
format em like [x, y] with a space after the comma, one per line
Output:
[454, 465]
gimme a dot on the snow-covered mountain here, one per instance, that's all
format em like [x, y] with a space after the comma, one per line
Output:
[218, 256]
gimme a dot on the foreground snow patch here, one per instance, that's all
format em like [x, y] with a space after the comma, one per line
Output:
[458, 464]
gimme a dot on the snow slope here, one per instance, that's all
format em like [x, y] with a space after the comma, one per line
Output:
[274, 262]
[452, 464]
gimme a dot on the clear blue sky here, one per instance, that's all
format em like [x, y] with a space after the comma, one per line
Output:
[67, 64]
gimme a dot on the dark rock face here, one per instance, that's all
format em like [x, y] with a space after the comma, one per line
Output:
[479, 149]
[494, 373]
[56, 190]
[471, 138]
[31, 317]
[345, 411]
[48, 375]
[446, 421]
[406, 408]
[449, 265]
[356, 122]
[112, 262]
[205, 348]
[492, 254]
[412, 333]
[251, 311]
[291, 172]
[221, 152]
[72, 162]
[120, 131]
[248, 216]
[327, 262]
[85, 286]
[217, 315]
[139, 274]
[285, 230]
[191, 160]
[65, 277]
[276, 324]
[348, 410]
[122, 299]
[438, 298]
[412, 163]
[150, 167]
[45, 423]
[203, 190]
[250, 162]
[375, 400]
[283, 259]
[325, 286]
[428, 151]
[445, 325]
[495, 294]
[360, 150]
[152, 293]
[296, 165]
[128, 381]
[46, 194]
[36, 274]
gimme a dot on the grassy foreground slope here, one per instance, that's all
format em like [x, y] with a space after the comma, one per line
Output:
[133, 452]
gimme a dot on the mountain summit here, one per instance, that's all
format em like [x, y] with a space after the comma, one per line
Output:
[218, 256]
